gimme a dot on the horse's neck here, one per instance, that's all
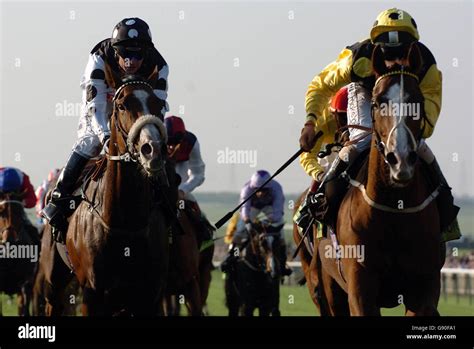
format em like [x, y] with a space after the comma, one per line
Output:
[252, 254]
[17, 213]
[379, 189]
[126, 193]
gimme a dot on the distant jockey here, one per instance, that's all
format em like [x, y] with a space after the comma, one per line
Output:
[270, 202]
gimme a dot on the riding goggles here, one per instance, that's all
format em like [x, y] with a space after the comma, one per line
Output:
[130, 52]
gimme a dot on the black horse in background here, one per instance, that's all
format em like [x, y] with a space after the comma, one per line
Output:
[254, 281]
[19, 242]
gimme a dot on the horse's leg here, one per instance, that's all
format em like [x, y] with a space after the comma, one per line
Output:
[248, 309]
[331, 297]
[73, 290]
[38, 292]
[326, 292]
[232, 298]
[362, 289]
[21, 299]
[362, 282]
[25, 296]
[193, 297]
[176, 306]
[267, 305]
[205, 273]
[233, 310]
[308, 264]
[275, 304]
[53, 276]
[158, 252]
[55, 292]
[169, 304]
[263, 311]
[93, 303]
[312, 283]
[422, 295]
[54, 301]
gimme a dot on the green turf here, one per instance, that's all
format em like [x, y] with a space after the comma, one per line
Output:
[8, 304]
[294, 301]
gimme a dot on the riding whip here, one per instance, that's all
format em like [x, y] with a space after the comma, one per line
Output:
[228, 216]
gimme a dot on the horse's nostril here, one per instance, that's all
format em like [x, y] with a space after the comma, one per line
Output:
[146, 149]
[391, 158]
[412, 157]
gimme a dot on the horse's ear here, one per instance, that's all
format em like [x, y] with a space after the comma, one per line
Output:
[153, 76]
[414, 58]
[112, 78]
[378, 61]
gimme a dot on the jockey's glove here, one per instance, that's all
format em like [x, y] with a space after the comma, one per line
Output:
[308, 136]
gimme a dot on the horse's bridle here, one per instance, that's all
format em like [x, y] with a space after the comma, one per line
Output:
[254, 234]
[379, 144]
[381, 148]
[131, 136]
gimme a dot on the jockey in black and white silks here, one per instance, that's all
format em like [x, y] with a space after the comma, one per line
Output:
[130, 51]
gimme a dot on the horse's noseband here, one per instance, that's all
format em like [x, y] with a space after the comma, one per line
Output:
[132, 135]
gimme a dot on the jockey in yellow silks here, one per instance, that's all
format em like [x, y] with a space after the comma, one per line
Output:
[394, 30]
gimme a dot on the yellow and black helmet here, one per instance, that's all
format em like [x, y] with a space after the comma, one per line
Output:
[394, 21]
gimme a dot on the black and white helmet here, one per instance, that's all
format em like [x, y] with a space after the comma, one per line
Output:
[132, 32]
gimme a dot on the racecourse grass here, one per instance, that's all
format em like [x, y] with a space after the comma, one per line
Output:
[294, 301]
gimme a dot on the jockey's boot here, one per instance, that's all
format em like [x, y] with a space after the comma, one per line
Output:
[302, 217]
[229, 261]
[56, 209]
[330, 191]
[448, 211]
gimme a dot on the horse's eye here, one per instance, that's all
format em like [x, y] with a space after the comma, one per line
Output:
[121, 107]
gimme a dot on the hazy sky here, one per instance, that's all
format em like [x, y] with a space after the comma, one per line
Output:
[238, 76]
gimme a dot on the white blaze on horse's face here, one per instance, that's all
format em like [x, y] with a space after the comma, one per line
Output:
[149, 142]
[401, 146]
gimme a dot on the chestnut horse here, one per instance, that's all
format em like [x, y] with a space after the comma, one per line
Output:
[117, 240]
[389, 248]
[17, 273]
